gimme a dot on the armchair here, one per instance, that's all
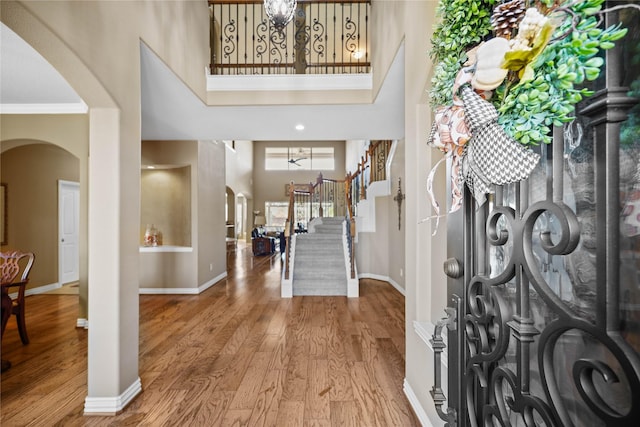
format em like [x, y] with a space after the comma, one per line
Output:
[14, 263]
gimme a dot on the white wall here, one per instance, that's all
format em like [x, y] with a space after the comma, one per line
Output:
[353, 150]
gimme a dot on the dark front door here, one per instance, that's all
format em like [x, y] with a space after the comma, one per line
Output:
[545, 276]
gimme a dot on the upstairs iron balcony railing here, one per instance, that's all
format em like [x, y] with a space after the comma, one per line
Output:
[324, 37]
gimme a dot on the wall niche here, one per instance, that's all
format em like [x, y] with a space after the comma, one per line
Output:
[166, 203]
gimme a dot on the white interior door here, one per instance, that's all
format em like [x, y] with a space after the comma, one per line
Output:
[68, 231]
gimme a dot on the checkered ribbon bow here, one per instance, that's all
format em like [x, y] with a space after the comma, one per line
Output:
[492, 157]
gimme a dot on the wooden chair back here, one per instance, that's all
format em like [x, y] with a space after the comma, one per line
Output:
[11, 266]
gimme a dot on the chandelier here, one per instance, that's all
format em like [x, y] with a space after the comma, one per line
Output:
[280, 12]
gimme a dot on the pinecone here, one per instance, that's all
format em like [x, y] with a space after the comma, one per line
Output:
[506, 17]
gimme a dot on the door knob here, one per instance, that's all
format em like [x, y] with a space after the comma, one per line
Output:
[453, 268]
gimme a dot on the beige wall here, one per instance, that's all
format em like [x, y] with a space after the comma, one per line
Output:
[166, 204]
[174, 269]
[95, 46]
[381, 254]
[168, 193]
[210, 238]
[71, 133]
[31, 173]
[425, 254]
[372, 248]
[203, 202]
[397, 240]
[270, 185]
[387, 16]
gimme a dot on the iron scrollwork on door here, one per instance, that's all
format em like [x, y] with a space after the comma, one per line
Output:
[545, 345]
[550, 315]
[540, 351]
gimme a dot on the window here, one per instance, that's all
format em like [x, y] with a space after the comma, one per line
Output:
[276, 158]
[299, 158]
[322, 158]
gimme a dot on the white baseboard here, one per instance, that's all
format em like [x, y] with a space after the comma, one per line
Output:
[169, 291]
[384, 279]
[415, 404]
[38, 290]
[353, 288]
[112, 405]
[286, 288]
[183, 291]
[211, 282]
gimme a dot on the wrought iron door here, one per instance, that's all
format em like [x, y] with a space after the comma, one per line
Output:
[544, 325]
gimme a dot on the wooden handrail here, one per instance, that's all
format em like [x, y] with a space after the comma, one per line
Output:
[352, 235]
[374, 160]
[288, 231]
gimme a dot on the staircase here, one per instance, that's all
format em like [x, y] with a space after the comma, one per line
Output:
[319, 262]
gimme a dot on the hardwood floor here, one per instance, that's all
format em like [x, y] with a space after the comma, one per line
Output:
[235, 355]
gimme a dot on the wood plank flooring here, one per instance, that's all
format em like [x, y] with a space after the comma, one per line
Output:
[235, 355]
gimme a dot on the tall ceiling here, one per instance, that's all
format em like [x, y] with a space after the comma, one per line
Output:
[28, 83]
[170, 110]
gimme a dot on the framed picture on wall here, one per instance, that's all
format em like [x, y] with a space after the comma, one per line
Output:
[3, 213]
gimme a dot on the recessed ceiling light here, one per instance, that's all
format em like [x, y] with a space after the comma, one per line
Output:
[299, 126]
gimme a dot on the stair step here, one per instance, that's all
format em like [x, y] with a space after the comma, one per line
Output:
[332, 220]
[324, 257]
[318, 236]
[328, 229]
[324, 274]
[327, 249]
[319, 287]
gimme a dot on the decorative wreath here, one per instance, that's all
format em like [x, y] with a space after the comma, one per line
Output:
[505, 74]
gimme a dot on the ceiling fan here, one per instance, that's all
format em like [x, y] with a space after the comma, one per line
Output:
[295, 161]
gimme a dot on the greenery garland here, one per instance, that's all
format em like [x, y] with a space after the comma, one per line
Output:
[543, 92]
[463, 24]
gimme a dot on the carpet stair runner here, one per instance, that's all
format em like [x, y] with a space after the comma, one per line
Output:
[319, 264]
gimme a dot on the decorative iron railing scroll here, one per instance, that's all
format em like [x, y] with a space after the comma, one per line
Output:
[325, 37]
